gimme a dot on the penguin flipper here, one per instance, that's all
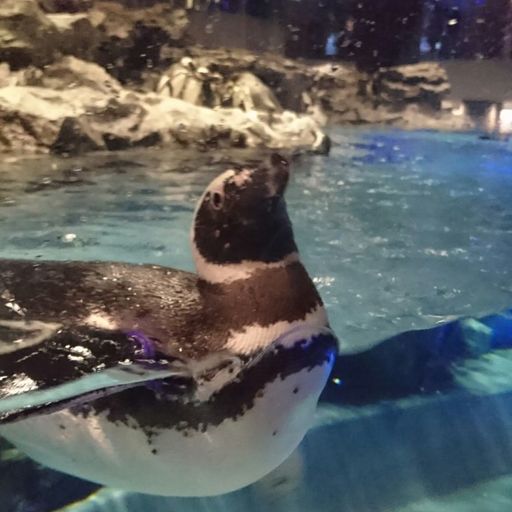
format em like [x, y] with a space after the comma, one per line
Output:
[46, 368]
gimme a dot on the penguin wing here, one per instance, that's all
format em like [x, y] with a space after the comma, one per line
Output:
[53, 355]
[73, 366]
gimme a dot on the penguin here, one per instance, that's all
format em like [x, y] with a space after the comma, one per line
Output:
[165, 382]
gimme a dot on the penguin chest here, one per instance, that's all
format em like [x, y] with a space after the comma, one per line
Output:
[134, 442]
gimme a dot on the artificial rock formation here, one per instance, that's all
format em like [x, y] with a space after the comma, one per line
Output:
[425, 84]
[74, 106]
[199, 85]
[27, 36]
[51, 99]
[133, 39]
[408, 96]
[109, 74]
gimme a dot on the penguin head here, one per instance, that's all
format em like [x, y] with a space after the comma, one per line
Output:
[241, 223]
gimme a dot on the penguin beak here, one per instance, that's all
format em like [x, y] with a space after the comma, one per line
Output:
[279, 174]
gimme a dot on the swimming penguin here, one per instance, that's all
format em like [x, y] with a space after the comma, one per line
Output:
[161, 381]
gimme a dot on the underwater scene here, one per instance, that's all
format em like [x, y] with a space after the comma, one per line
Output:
[255, 255]
[415, 415]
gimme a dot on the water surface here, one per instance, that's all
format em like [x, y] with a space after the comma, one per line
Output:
[401, 230]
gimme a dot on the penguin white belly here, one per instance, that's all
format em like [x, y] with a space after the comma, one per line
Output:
[226, 457]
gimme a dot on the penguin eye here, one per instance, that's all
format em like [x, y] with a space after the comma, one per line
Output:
[216, 200]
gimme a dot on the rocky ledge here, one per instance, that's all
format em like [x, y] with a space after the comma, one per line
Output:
[109, 76]
[408, 96]
[73, 106]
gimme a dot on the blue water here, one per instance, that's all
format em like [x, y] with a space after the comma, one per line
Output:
[401, 231]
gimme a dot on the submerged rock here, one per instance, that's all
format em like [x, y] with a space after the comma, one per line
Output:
[25, 486]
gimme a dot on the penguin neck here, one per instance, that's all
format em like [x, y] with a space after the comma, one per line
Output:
[215, 273]
[262, 307]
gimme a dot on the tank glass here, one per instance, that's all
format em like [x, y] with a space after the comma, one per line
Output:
[389, 124]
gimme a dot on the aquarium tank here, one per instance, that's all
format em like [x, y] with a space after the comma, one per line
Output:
[163, 346]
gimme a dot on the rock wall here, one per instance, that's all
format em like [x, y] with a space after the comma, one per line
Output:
[73, 106]
[104, 74]
[27, 36]
[407, 96]
[74, 82]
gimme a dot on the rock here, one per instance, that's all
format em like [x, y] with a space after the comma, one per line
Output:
[27, 36]
[114, 126]
[250, 93]
[77, 34]
[70, 72]
[329, 91]
[414, 117]
[134, 38]
[71, 6]
[77, 136]
[336, 88]
[25, 133]
[407, 96]
[120, 21]
[74, 106]
[123, 40]
[191, 83]
[121, 123]
[192, 125]
[5, 75]
[285, 79]
[30, 118]
[199, 85]
[425, 84]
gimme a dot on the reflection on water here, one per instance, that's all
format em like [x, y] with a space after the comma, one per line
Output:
[401, 231]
